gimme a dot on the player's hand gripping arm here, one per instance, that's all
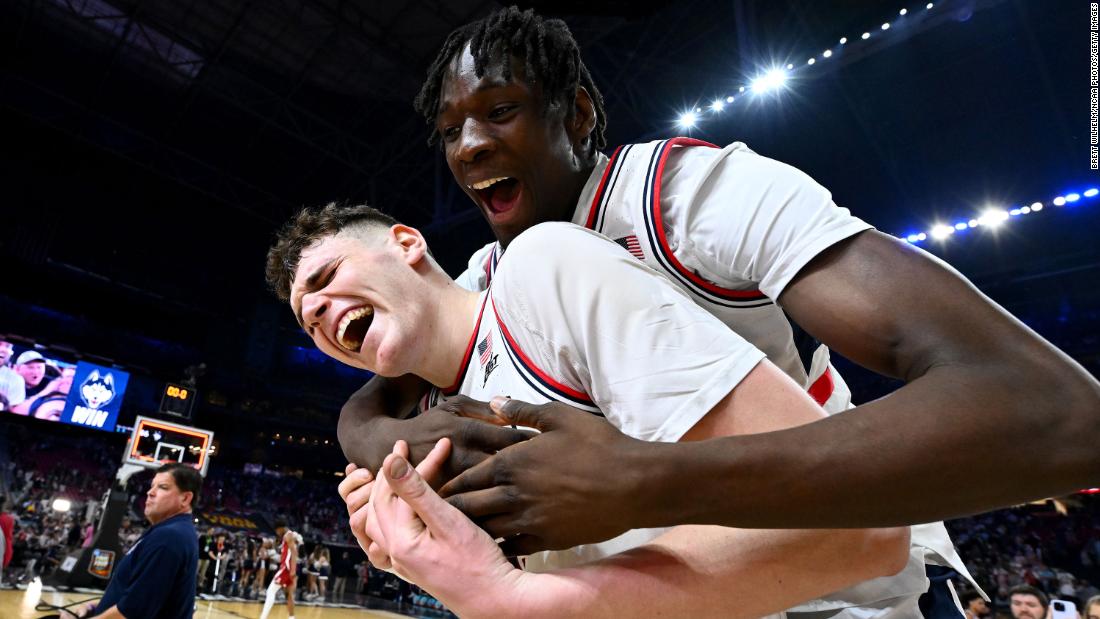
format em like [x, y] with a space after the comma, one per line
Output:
[701, 571]
[689, 570]
[372, 420]
[979, 385]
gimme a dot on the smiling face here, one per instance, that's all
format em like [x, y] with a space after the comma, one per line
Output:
[359, 298]
[32, 372]
[520, 163]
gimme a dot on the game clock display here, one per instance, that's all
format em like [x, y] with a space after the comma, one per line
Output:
[177, 400]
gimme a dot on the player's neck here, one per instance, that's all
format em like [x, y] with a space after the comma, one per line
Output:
[451, 325]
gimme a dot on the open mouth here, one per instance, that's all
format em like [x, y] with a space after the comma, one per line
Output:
[499, 194]
[353, 328]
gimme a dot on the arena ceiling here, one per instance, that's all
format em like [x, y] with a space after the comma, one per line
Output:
[151, 148]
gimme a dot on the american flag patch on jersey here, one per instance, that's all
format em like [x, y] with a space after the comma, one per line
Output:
[631, 244]
[485, 348]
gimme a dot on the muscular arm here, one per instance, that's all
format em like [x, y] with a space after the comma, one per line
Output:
[372, 420]
[691, 570]
[979, 385]
[372, 412]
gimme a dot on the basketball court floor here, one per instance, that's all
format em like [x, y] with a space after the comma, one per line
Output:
[22, 604]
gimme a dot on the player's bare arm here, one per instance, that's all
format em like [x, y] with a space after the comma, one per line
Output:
[374, 418]
[765, 570]
[971, 370]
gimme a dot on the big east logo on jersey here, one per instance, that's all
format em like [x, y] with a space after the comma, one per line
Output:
[96, 391]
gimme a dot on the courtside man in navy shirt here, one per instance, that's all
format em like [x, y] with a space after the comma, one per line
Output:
[156, 579]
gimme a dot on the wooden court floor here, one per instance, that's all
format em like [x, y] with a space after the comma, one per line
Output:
[20, 604]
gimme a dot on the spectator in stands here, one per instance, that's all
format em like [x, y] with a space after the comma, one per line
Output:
[32, 367]
[7, 533]
[342, 569]
[218, 556]
[12, 389]
[89, 534]
[1092, 608]
[246, 553]
[1027, 602]
[51, 401]
[974, 605]
[206, 551]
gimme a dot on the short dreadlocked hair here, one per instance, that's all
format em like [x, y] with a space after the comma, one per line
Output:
[549, 53]
[308, 227]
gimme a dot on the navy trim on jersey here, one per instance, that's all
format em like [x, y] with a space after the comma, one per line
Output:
[491, 263]
[597, 210]
[539, 380]
[462, 369]
[651, 197]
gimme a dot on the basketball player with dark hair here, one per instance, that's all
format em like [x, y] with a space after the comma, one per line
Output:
[286, 577]
[753, 241]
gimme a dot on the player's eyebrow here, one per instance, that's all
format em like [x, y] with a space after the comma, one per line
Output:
[311, 285]
[487, 83]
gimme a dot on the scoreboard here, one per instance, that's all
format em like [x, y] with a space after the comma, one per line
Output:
[178, 400]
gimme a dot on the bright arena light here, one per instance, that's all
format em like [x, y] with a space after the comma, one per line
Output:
[866, 35]
[1036, 206]
[1024, 210]
[1072, 197]
[772, 80]
[942, 231]
[886, 26]
[1091, 192]
[729, 99]
[903, 12]
[843, 40]
[811, 61]
[687, 120]
[61, 505]
[1059, 201]
[1014, 212]
[922, 237]
[912, 238]
[993, 217]
[828, 53]
[717, 105]
[929, 6]
[973, 223]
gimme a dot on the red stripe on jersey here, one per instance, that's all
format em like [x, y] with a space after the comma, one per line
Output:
[593, 210]
[573, 393]
[822, 389]
[469, 352]
[663, 240]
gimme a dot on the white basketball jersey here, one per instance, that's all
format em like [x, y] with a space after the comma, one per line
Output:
[610, 339]
[643, 200]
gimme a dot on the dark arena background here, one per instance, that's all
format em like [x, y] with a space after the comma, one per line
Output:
[151, 149]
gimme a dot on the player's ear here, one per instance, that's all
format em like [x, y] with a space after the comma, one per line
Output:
[583, 119]
[410, 241]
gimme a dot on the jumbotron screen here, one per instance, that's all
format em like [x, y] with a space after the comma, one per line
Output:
[36, 384]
